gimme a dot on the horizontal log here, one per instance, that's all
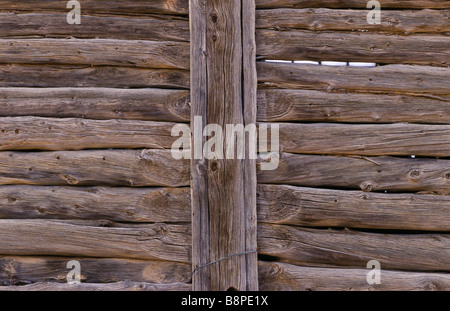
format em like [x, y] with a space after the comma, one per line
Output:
[19, 271]
[393, 21]
[151, 205]
[96, 52]
[310, 207]
[94, 6]
[352, 47]
[368, 174]
[365, 139]
[18, 75]
[285, 277]
[110, 287]
[138, 168]
[97, 103]
[35, 133]
[54, 25]
[382, 79]
[354, 4]
[81, 239]
[410, 252]
[312, 106]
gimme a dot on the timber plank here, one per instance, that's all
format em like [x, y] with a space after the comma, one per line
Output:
[96, 52]
[310, 207]
[410, 252]
[17, 270]
[388, 79]
[353, 47]
[54, 25]
[18, 75]
[285, 277]
[149, 205]
[97, 103]
[136, 168]
[368, 174]
[355, 4]
[59, 238]
[322, 19]
[313, 106]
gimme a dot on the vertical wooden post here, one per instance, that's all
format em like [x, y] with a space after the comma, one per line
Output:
[223, 91]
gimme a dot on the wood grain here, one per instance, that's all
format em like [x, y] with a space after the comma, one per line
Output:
[285, 277]
[54, 25]
[371, 140]
[313, 106]
[353, 47]
[17, 270]
[311, 207]
[89, 239]
[136, 168]
[409, 252]
[368, 174]
[93, 6]
[97, 103]
[25, 75]
[149, 205]
[355, 4]
[321, 19]
[35, 133]
[389, 79]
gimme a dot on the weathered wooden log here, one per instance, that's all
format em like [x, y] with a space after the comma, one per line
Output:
[354, 4]
[97, 103]
[285, 277]
[138, 168]
[93, 6]
[16, 270]
[17, 75]
[54, 25]
[367, 174]
[352, 47]
[312, 106]
[310, 207]
[35, 133]
[96, 52]
[114, 287]
[393, 21]
[410, 252]
[103, 240]
[359, 139]
[383, 79]
[150, 205]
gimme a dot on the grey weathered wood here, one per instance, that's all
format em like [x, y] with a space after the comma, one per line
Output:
[410, 252]
[114, 287]
[96, 103]
[285, 277]
[383, 79]
[54, 25]
[96, 52]
[367, 174]
[103, 240]
[35, 133]
[393, 21]
[18, 75]
[93, 6]
[148, 205]
[222, 211]
[138, 168]
[355, 4]
[17, 270]
[359, 139]
[310, 207]
[313, 106]
[353, 47]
